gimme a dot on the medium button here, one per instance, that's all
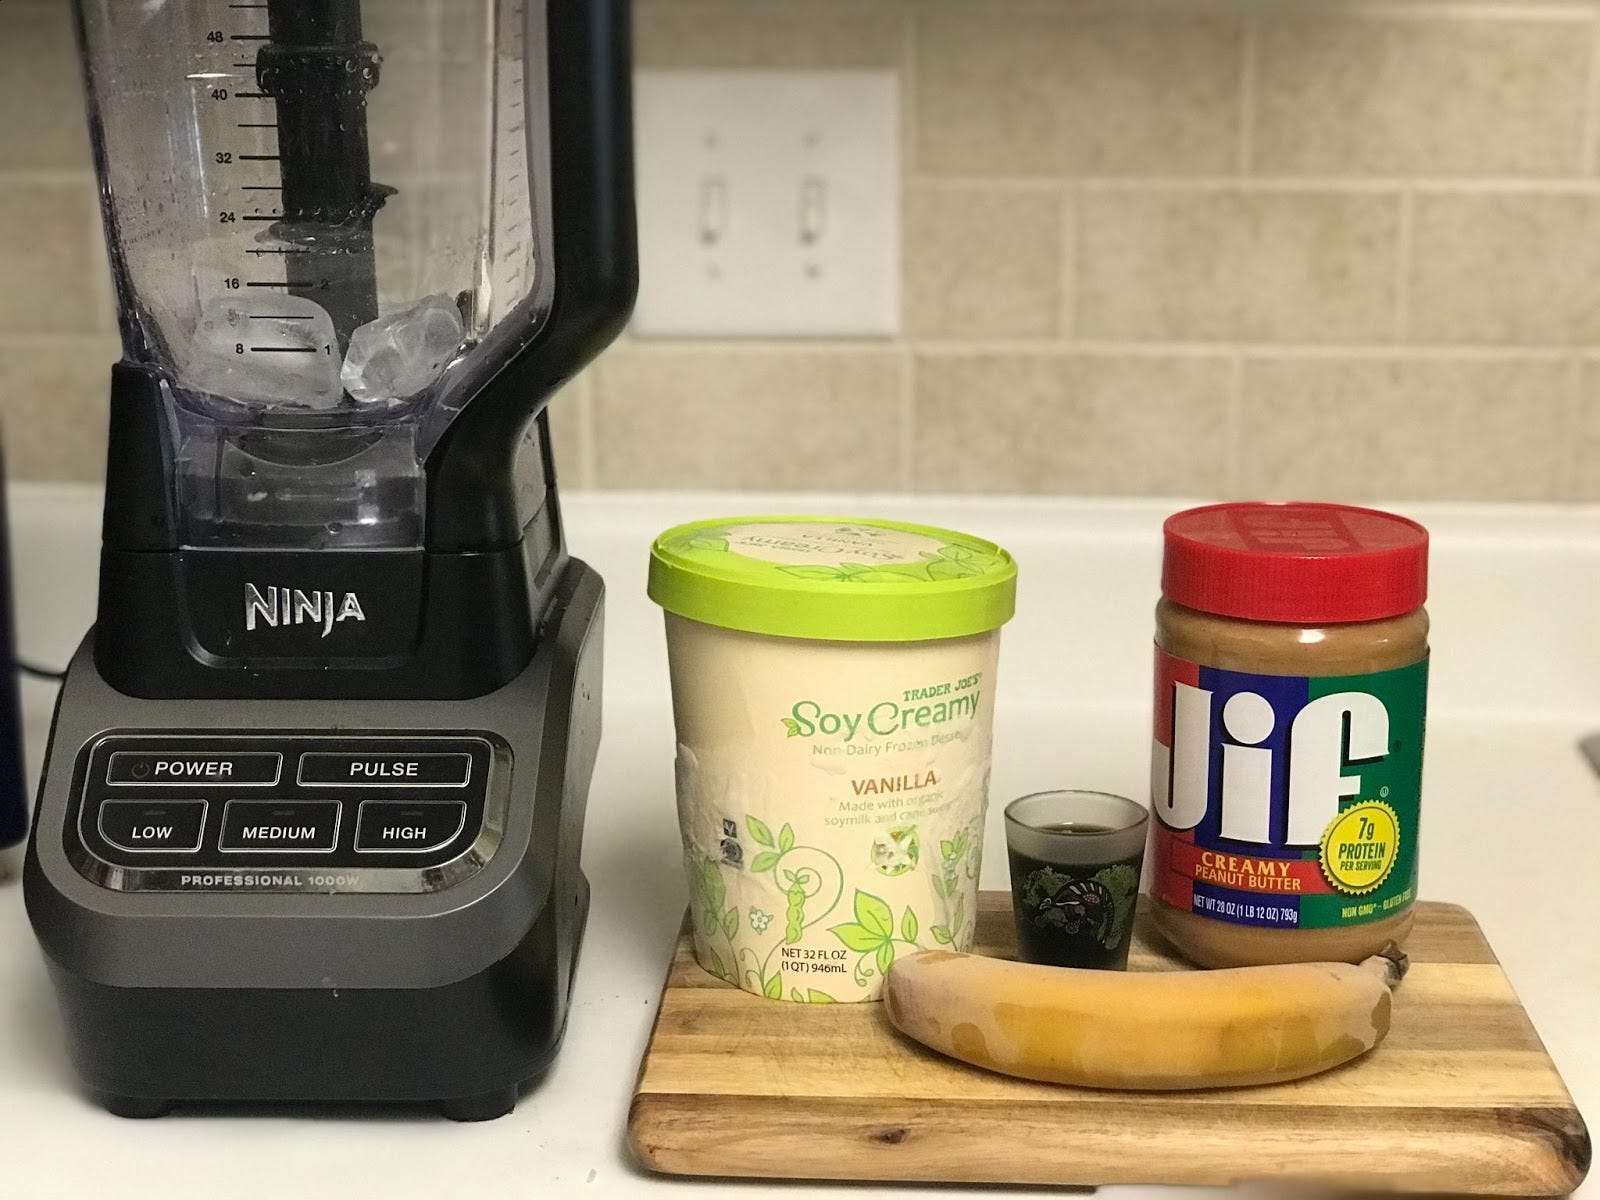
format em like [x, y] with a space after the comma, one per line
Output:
[421, 769]
[153, 826]
[279, 827]
[409, 826]
[193, 768]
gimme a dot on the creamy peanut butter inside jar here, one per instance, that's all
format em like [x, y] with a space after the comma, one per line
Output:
[1290, 704]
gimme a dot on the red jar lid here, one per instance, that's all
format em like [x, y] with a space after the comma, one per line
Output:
[1297, 564]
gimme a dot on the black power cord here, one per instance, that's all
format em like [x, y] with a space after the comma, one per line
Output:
[34, 671]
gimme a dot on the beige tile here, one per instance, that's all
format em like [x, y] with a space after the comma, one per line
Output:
[768, 33]
[53, 402]
[1079, 425]
[50, 259]
[1506, 268]
[1408, 430]
[1029, 89]
[1588, 446]
[1421, 96]
[1201, 265]
[569, 431]
[787, 419]
[41, 89]
[983, 262]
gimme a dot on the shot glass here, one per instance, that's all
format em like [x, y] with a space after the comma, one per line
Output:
[1075, 863]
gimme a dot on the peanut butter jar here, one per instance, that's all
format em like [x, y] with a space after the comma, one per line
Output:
[1290, 703]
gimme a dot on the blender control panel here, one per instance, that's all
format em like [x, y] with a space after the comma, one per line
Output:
[286, 813]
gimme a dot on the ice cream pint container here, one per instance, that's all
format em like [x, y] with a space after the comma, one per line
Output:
[833, 690]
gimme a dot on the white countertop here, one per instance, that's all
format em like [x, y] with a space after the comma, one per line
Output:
[1512, 826]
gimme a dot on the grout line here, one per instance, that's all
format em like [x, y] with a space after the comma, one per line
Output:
[1333, 351]
[588, 441]
[87, 340]
[1546, 10]
[60, 176]
[1233, 469]
[1589, 152]
[910, 152]
[1576, 406]
[1249, 97]
[1555, 185]
[1427, 10]
[1405, 254]
[774, 346]
[908, 419]
[1067, 319]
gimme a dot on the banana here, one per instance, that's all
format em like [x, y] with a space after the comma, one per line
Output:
[1143, 1031]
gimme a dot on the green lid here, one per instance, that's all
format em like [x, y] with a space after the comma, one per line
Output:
[833, 578]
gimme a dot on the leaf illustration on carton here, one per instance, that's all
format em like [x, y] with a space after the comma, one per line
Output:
[764, 862]
[757, 827]
[717, 967]
[813, 996]
[857, 938]
[793, 727]
[786, 839]
[872, 935]
[773, 988]
[715, 891]
[874, 914]
[908, 926]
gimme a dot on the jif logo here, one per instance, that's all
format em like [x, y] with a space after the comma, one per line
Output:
[291, 606]
[1327, 737]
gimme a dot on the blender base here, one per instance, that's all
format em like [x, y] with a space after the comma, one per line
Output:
[350, 984]
[493, 1033]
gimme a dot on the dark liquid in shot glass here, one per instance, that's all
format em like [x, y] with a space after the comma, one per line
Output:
[1078, 914]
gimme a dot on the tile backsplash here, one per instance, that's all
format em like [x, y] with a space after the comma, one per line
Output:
[1213, 247]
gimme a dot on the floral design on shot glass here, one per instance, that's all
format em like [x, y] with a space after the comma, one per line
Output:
[1100, 907]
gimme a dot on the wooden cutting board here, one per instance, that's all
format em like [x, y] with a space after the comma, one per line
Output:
[1461, 1098]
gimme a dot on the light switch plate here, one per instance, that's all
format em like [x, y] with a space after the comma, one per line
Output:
[769, 203]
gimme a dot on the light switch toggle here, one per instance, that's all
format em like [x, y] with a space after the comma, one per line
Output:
[713, 210]
[813, 209]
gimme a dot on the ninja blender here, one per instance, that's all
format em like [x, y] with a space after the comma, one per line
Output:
[310, 823]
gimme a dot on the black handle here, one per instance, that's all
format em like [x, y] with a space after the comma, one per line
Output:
[471, 492]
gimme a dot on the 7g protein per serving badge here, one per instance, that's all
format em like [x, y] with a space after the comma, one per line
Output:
[1290, 705]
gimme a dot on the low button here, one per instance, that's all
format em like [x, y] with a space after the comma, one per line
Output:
[402, 770]
[403, 826]
[280, 827]
[153, 826]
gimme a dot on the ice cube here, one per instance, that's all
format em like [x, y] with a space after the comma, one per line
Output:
[266, 350]
[399, 355]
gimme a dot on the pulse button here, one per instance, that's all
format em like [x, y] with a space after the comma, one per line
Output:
[280, 827]
[405, 770]
[401, 826]
[153, 826]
